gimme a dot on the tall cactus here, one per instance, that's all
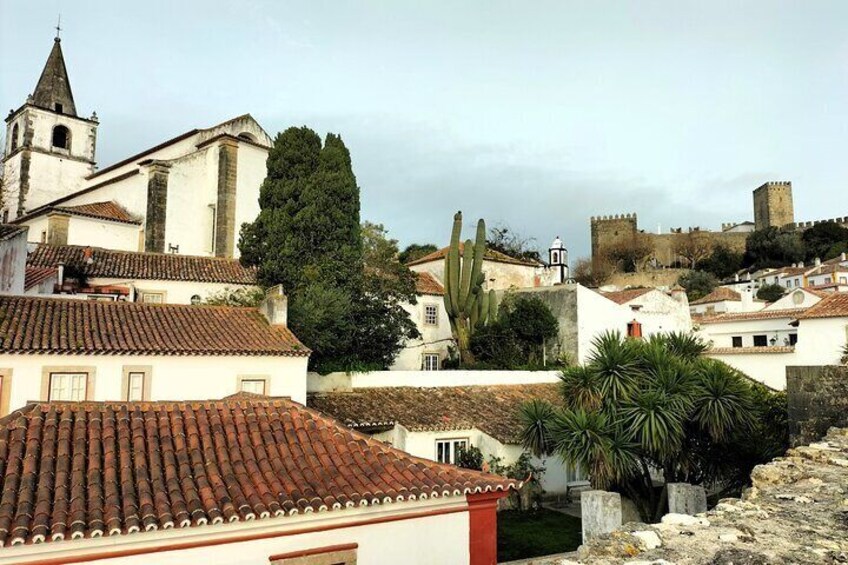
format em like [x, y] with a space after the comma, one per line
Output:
[469, 307]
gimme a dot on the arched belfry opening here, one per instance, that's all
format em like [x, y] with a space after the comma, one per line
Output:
[61, 138]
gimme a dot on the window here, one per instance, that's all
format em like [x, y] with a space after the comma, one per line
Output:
[195, 299]
[448, 449]
[6, 216]
[760, 341]
[68, 386]
[737, 341]
[59, 107]
[256, 384]
[135, 385]
[153, 297]
[61, 138]
[15, 132]
[842, 280]
[43, 236]
[135, 388]
[710, 310]
[793, 339]
[333, 555]
[431, 315]
[5, 390]
[431, 361]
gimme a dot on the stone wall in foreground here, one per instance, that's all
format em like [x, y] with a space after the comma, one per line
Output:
[795, 512]
[818, 399]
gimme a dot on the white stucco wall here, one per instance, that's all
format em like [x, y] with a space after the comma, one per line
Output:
[499, 276]
[441, 537]
[660, 313]
[596, 315]
[820, 341]
[349, 381]
[172, 377]
[252, 170]
[90, 231]
[434, 339]
[721, 334]
[176, 292]
[767, 368]
[13, 254]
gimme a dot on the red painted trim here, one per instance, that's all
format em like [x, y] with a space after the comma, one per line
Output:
[234, 539]
[483, 527]
[315, 551]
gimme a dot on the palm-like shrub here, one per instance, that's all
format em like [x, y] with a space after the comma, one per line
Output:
[640, 409]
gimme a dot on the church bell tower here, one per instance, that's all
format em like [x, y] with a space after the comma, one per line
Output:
[558, 261]
[49, 149]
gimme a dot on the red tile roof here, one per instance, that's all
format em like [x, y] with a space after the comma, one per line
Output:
[491, 409]
[720, 294]
[150, 266]
[428, 284]
[754, 349]
[82, 470]
[835, 305]
[30, 324]
[491, 255]
[765, 314]
[625, 296]
[8, 231]
[108, 210]
[37, 275]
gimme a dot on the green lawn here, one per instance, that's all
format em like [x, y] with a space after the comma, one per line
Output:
[530, 534]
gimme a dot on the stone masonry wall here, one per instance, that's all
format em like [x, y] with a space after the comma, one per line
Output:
[818, 399]
[795, 512]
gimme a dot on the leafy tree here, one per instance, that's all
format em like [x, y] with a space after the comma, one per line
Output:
[240, 296]
[697, 284]
[773, 247]
[723, 262]
[592, 272]
[518, 337]
[639, 405]
[693, 246]
[510, 242]
[415, 251]
[821, 238]
[469, 458]
[771, 292]
[632, 253]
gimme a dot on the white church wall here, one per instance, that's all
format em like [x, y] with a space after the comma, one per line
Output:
[196, 377]
[94, 232]
[192, 189]
[251, 173]
[51, 177]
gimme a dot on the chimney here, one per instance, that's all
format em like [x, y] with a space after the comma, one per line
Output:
[801, 264]
[817, 262]
[843, 256]
[87, 256]
[275, 306]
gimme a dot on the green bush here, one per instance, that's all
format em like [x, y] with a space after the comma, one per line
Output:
[771, 292]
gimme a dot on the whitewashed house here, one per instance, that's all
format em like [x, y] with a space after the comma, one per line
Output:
[244, 480]
[502, 271]
[76, 350]
[435, 418]
[159, 278]
[656, 311]
[735, 298]
[428, 352]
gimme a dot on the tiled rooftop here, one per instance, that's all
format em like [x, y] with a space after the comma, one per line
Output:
[835, 305]
[36, 275]
[765, 314]
[720, 294]
[108, 210]
[428, 284]
[30, 324]
[84, 470]
[752, 349]
[492, 409]
[8, 231]
[136, 265]
[625, 296]
[491, 255]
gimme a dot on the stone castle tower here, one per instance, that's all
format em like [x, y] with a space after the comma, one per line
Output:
[773, 205]
[49, 148]
[607, 231]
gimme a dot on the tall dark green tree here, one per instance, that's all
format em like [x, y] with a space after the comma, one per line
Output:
[773, 247]
[822, 238]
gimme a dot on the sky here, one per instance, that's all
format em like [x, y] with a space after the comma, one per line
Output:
[533, 115]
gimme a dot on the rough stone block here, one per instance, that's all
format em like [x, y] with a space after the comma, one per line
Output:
[601, 512]
[688, 499]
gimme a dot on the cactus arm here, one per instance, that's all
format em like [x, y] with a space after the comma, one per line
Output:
[479, 254]
[493, 306]
[448, 305]
[465, 281]
[484, 309]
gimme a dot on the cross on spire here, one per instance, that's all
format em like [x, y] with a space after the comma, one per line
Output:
[59, 26]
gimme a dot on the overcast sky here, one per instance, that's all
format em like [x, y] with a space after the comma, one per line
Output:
[532, 114]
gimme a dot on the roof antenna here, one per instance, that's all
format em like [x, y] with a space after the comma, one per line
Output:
[59, 27]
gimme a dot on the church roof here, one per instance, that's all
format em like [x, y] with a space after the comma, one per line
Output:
[107, 210]
[53, 86]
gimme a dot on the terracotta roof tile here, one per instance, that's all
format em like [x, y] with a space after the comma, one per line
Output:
[720, 294]
[36, 275]
[491, 409]
[152, 266]
[835, 305]
[107, 469]
[625, 296]
[765, 314]
[30, 324]
[8, 231]
[428, 284]
[108, 210]
[491, 255]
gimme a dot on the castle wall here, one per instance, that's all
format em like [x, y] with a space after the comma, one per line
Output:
[773, 205]
[608, 231]
[665, 243]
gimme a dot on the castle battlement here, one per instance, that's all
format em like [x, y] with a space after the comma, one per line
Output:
[613, 217]
[803, 225]
[775, 184]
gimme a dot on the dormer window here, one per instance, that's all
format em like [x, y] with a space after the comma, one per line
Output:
[61, 138]
[59, 107]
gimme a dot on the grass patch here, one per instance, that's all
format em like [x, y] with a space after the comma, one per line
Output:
[522, 535]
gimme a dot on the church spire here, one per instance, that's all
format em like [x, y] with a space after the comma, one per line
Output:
[53, 90]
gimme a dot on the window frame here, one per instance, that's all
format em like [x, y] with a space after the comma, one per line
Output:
[161, 293]
[265, 379]
[452, 443]
[435, 318]
[5, 390]
[127, 371]
[72, 378]
[343, 554]
[736, 339]
[762, 338]
[68, 138]
[430, 355]
[793, 339]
